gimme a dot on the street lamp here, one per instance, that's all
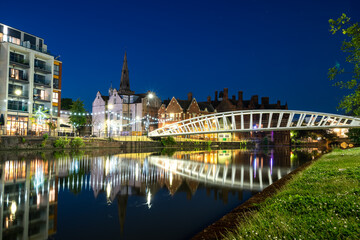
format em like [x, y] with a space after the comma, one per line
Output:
[110, 107]
[17, 93]
[149, 96]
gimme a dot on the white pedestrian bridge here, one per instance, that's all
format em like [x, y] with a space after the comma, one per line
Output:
[256, 120]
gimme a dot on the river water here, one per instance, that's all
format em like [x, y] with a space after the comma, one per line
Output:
[108, 194]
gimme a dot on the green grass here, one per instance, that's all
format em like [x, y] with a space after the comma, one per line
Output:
[321, 202]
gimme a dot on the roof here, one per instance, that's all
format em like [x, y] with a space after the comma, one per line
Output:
[206, 105]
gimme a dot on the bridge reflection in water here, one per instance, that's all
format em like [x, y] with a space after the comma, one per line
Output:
[29, 188]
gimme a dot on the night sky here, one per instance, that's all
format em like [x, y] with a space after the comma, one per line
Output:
[281, 49]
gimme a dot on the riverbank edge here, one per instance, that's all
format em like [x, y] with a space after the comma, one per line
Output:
[39, 143]
[230, 221]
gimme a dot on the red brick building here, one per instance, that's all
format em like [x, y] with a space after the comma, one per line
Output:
[175, 110]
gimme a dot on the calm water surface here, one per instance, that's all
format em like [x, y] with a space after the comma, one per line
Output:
[111, 195]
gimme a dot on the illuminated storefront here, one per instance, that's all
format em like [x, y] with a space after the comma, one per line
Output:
[17, 127]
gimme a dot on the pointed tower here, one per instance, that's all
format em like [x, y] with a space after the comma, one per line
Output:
[125, 82]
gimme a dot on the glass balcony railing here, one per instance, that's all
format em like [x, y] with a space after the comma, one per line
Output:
[17, 106]
[19, 60]
[42, 67]
[26, 44]
[21, 77]
[24, 94]
[37, 97]
[41, 80]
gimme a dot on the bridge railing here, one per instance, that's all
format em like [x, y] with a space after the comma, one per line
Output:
[256, 120]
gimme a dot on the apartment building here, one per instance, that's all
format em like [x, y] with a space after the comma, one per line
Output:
[30, 83]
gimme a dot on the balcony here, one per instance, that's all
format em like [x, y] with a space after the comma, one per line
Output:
[17, 106]
[20, 77]
[36, 97]
[24, 94]
[41, 80]
[27, 45]
[41, 67]
[20, 62]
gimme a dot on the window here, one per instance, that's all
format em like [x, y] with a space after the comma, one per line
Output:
[56, 83]
[56, 69]
[16, 73]
[55, 97]
[14, 57]
[14, 40]
[13, 88]
[39, 94]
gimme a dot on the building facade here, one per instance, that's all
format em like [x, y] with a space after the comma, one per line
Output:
[29, 94]
[123, 112]
[175, 110]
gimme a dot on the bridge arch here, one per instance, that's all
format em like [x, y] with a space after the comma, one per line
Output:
[256, 120]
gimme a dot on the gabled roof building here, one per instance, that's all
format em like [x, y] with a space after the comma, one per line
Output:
[123, 112]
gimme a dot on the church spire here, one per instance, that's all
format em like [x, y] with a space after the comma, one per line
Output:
[125, 82]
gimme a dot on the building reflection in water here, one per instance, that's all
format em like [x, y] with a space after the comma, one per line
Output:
[29, 188]
[28, 199]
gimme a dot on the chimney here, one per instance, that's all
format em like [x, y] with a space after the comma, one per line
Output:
[240, 96]
[216, 96]
[225, 93]
[190, 97]
[209, 99]
[233, 98]
[278, 103]
[255, 99]
[265, 101]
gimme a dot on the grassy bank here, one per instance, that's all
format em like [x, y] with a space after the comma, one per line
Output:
[321, 202]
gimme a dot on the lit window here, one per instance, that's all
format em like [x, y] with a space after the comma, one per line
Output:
[55, 97]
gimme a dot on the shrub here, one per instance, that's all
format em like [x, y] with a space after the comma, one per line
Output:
[168, 141]
[45, 136]
[23, 140]
[62, 142]
[77, 142]
[43, 143]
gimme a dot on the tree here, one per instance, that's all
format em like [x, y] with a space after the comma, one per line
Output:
[77, 117]
[351, 46]
[66, 103]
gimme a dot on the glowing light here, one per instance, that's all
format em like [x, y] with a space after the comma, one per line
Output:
[13, 208]
[151, 95]
[18, 92]
[108, 190]
[148, 199]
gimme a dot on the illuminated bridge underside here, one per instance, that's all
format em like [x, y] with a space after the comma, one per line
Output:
[256, 120]
[232, 176]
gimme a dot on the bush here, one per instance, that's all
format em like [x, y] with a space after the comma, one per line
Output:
[43, 143]
[45, 136]
[354, 135]
[168, 141]
[23, 140]
[77, 142]
[62, 142]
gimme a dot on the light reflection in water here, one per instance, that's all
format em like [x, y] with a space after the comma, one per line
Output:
[35, 184]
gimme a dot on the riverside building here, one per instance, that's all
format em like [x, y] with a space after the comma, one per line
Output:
[30, 83]
[123, 112]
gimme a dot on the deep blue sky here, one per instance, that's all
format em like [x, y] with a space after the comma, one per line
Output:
[280, 49]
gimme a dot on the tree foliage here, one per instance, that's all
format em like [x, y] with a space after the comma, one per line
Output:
[66, 103]
[77, 117]
[351, 46]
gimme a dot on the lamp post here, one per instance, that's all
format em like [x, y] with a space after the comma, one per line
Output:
[149, 96]
[17, 93]
[110, 107]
